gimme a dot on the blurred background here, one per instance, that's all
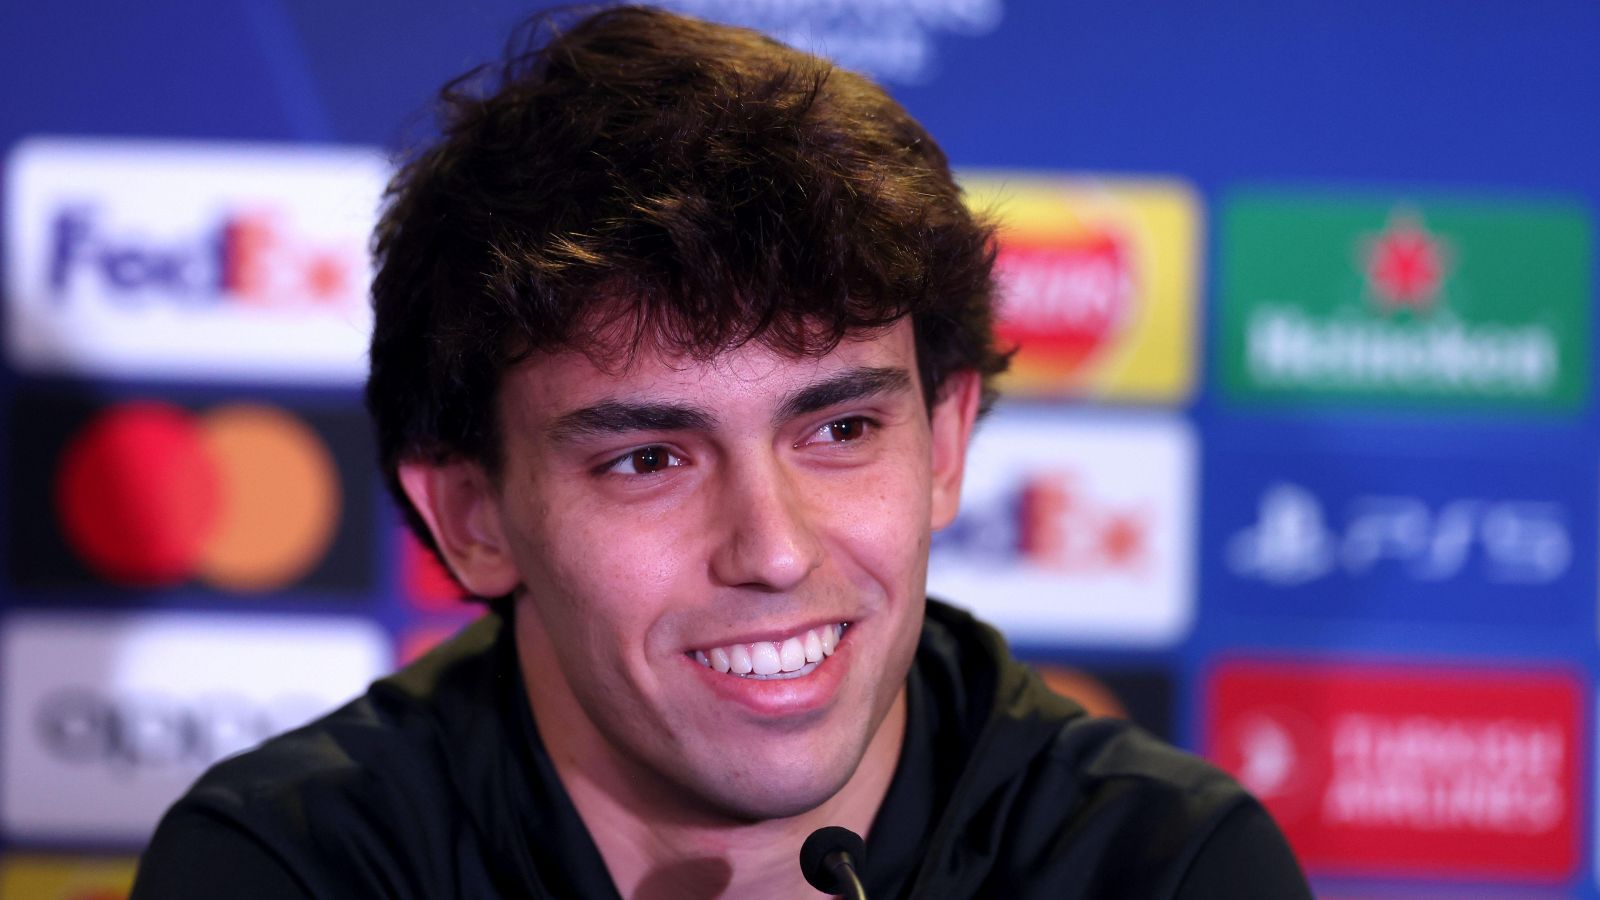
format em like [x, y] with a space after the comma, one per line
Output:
[1299, 465]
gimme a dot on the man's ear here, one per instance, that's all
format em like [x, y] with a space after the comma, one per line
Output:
[457, 501]
[954, 413]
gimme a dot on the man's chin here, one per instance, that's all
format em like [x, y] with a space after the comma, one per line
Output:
[777, 791]
[767, 805]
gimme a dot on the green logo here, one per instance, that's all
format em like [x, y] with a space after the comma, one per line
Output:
[1408, 304]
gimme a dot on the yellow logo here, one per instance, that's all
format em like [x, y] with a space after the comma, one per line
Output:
[1099, 283]
[62, 877]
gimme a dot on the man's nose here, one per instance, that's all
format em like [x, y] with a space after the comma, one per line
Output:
[766, 536]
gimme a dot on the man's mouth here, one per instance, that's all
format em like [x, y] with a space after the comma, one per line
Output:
[791, 657]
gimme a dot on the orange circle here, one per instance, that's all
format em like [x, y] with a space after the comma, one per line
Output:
[1090, 692]
[280, 498]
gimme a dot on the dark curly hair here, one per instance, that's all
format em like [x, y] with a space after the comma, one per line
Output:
[700, 183]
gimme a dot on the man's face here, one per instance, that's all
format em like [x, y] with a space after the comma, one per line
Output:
[678, 521]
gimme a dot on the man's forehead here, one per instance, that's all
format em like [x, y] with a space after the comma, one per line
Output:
[550, 384]
[616, 333]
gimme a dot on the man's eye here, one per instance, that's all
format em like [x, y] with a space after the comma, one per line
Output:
[851, 429]
[644, 461]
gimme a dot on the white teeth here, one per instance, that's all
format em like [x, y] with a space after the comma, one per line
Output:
[792, 655]
[814, 646]
[797, 654]
[764, 655]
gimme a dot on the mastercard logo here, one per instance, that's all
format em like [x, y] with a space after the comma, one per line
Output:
[243, 497]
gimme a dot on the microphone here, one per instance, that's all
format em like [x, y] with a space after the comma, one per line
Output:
[830, 858]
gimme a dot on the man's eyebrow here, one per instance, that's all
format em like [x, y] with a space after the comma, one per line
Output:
[844, 387]
[617, 417]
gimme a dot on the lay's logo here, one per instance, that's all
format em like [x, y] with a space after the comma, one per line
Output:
[1098, 284]
[1068, 301]
[157, 259]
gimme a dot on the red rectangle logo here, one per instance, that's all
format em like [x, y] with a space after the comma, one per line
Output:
[1407, 770]
[428, 584]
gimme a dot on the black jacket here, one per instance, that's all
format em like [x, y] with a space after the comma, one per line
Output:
[435, 785]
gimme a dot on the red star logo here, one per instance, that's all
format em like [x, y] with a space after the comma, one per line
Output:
[1405, 263]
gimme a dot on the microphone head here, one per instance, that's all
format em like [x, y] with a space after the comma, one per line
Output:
[814, 853]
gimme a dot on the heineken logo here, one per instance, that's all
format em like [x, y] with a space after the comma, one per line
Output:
[1444, 304]
[1405, 263]
[1289, 350]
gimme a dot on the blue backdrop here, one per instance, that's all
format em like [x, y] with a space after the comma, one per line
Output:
[1322, 538]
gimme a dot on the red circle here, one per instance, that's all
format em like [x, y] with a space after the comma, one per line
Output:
[137, 494]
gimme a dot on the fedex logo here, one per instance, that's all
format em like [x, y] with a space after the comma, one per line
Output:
[250, 257]
[1075, 529]
[1509, 542]
[187, 260]
[1312, 534]
[1053, 521]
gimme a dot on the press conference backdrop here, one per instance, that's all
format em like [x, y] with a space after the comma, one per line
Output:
[1299, 466]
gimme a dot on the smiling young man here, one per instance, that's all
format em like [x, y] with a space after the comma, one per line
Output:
[680, 339]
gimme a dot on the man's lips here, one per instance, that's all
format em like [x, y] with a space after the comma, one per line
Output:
[786, 699]
[792, 656]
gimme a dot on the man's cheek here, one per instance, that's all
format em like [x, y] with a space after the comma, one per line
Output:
[890, 519]
[604, 554]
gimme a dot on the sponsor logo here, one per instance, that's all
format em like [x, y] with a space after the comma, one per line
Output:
[1098, 284]
[1398, 770]
[1141, 696]
[1072, 530]
[1434, 891]
[142, 258]
[243, 497]
[1440, 304]
[1506, 542]
[38, 876]
[246, 258]
[107, 720]
[428, 585]
[418, 641]
[890, 40]
[1455, 541]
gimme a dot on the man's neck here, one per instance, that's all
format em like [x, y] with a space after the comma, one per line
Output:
[657, 846]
